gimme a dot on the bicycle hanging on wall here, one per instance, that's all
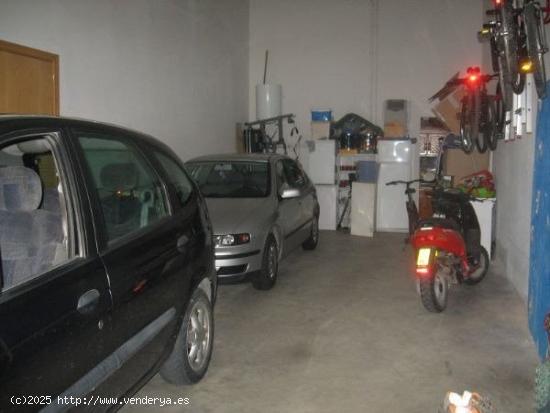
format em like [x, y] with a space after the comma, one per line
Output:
[518, 43]
[482, 115]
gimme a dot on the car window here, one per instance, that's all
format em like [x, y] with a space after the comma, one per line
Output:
[177, 176]
[231, 179]
[130, 193]
[293, 173]
[34, 230]
[281, 178]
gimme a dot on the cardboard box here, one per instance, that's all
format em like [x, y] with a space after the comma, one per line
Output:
[395, 130]
[459, 164]
[396, 111]
[320, 130]
[448, 109]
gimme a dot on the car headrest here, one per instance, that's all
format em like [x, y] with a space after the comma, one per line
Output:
[20, 189]
[224, 177]
[119, 176]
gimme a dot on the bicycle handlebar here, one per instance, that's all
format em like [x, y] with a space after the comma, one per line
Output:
[464, 80]
[422, 181]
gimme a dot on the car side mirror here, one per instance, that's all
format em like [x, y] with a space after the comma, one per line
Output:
[288, 193]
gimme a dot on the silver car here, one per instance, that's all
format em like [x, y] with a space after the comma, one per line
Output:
[262, 206]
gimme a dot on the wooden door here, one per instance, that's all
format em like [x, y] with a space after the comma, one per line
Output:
[29, 80]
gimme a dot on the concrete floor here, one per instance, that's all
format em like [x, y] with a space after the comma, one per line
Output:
[344, 331]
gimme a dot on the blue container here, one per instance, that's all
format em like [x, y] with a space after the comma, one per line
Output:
[367, 171]
[321, 115]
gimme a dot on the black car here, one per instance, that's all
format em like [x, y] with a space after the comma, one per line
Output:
[107, 271]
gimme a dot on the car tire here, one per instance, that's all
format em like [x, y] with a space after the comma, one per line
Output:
[311, 243]
[266, 278]
[183, 367]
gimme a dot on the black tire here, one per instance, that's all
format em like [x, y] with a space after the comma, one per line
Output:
[536, 44]
[434, 292]
[519, 83]
[266, 278]
[468, 128]
[510, 42]
[311, 243]
[477, 276]
[500, 117]
[488, 127]
[506, 84]
[481, 143]
[494, 54]
[182, 367]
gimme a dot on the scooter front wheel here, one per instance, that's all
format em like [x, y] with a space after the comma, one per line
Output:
[434, 292]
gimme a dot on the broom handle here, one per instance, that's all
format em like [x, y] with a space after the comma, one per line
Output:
[265, 65]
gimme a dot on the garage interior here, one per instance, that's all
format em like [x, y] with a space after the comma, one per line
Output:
[344, 328]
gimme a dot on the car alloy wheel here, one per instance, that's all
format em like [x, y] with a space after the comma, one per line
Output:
[198, 336]
[315, 230]
[272, 261]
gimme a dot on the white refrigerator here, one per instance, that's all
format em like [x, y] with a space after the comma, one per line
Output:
[322, 161]
[395, 159]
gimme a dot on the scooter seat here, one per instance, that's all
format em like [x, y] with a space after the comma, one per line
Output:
[439, 222]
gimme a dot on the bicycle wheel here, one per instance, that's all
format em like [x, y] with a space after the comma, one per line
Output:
[467, 124]
[505, 83]
[509, 36]
[489, 124]
[518, 83]
[494, 54]
[475, 113]
[500, 117]
[536, 44]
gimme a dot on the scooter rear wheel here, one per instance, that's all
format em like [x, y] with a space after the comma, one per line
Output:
[480, 273]
[434, 292]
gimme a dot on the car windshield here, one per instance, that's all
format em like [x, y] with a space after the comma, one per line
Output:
[231, 179]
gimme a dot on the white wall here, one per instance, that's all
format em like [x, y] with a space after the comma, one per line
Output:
[513, 164]
[513, 168]
[421, 44]
[175, 69]
[318, 51]
[328, 53]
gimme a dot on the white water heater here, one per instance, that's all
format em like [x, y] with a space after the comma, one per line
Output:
[269, 101]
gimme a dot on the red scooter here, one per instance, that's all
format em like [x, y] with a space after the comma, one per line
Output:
[447, 245]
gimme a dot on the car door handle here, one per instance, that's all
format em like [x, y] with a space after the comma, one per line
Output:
[88, 302]
[182, 243]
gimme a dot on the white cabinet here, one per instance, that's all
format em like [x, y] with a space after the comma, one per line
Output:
[363, 203]
[394, 158]
[485, 211]
[327, 195]
[322, 161]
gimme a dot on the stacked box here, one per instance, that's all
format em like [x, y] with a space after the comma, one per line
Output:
[396, 118]
[320, 130]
